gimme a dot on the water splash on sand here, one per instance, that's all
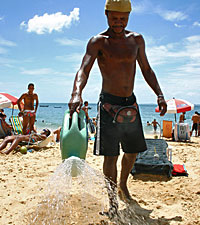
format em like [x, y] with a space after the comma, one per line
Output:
[78, 194]
[73, 195]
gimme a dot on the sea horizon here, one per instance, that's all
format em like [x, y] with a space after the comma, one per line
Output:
[50, 115]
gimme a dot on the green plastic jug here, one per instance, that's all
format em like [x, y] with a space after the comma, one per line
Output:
[74, 135]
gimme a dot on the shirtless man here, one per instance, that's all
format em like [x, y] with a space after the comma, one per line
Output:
[117, 51]
[85, 109]
[155, 123]
[196, 122]
[29, 113]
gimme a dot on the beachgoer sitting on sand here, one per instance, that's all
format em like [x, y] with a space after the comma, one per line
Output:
[16, 139]
[2, 111]
[6, 127]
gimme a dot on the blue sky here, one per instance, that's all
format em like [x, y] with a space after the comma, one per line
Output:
[43, 41]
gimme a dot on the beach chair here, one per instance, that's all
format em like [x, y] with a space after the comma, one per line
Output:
[2, 132]
[16, 124]
[154, 160]
[167, 128]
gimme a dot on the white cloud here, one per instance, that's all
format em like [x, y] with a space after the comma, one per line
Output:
[74, 57]
[171, 15]
[196, 23]
[3, 50]
[141, 7]
[1, 18]
[41, 71]
[178, 66]
[177, 25]
[51, 22]
[46, 71]
[70, 42]
[188, 48]
[146, 6]
[6, 42]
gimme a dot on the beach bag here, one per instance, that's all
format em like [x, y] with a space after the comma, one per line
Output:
[179, 170]
[122, 114]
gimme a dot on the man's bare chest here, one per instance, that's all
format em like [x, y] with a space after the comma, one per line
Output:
[119, 51]
[29, 98]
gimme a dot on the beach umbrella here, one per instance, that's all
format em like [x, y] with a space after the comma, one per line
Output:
[8, 101]
[177, 106]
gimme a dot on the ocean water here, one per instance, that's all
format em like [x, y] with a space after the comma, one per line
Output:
[50, 115]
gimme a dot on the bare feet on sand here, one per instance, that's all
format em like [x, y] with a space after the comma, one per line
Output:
[124, 194]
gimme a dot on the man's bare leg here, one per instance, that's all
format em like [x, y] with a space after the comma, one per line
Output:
[25, 123]
[110, 171]
[31, 123]
[128, 161]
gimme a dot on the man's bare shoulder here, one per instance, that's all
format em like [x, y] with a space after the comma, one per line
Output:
[99, 37]
[23, 95]
[138, 37]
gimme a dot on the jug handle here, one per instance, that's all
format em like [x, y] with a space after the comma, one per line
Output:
[75, 121]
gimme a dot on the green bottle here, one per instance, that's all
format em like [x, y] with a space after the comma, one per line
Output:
[74, 135]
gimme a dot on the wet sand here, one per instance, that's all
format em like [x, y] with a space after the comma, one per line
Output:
[23, 180]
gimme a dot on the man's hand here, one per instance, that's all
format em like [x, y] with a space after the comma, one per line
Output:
[75, 104]
[162, 106]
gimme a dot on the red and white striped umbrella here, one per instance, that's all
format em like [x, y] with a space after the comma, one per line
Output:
[177, 106]
[7, 100]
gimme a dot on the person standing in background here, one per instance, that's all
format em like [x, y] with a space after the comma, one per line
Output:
[196, 122]
[29, 111]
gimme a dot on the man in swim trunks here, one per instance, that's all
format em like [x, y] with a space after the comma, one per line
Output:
[117, 51]
[29, 112]
[16, 139]
[155, 123]
[196, 122]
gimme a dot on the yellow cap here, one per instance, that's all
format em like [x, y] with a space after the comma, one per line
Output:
[118, 5]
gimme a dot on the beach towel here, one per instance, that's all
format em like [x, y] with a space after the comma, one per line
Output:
[179, 170]
[154, 160]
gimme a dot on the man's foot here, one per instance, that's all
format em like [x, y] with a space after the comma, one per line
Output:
[111, 213]
[125, 196]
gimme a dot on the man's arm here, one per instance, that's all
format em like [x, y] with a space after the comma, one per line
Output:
[19, 101]
[82, 75]
[149, 74]
[37, 102]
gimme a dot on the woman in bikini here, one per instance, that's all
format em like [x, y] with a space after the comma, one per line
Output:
[16, 139]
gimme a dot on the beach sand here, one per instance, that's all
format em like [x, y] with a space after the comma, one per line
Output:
[23, 181]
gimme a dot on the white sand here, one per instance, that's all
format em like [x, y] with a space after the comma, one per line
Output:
[23, 182]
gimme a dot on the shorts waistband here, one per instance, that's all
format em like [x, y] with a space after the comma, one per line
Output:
[113, 99]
